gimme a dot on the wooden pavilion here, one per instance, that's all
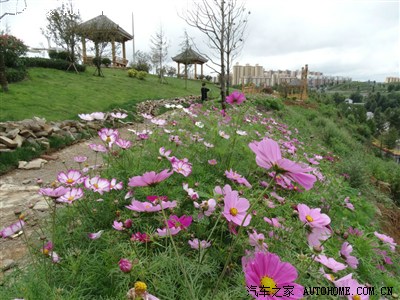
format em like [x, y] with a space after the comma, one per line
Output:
[100, 30]
[190, 57]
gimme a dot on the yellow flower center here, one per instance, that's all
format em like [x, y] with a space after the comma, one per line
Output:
[46, 251]
[70, 198]
[96, 185]
[108, 139]
[69, 181]
[356, 297]
[331, 277]
[309, 218]
[140, 287]
[233, 211]
[268, 284]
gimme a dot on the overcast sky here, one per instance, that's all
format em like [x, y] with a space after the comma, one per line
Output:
[353, 38]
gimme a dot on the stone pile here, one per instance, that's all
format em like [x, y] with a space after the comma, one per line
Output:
[151, 107]
[36, 131]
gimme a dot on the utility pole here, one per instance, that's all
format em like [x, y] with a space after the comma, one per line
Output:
[133, 41]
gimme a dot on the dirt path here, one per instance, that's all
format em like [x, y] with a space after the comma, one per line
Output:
[19, 194]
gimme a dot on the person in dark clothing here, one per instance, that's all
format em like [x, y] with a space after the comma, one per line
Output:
[204, 92]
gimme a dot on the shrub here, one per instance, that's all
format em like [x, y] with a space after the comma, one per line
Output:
[132, 73]
[141, 75]
[106, 61]
[63, 55]
[38, 62]
[13, 48]
[15, 75]
[96, 61]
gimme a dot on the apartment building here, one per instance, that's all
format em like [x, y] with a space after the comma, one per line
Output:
[392, 79]
[257, 75]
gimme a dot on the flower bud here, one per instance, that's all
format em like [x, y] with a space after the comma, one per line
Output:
[125, 265]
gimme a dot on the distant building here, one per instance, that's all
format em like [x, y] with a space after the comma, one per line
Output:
[258, 76]
[392, 79]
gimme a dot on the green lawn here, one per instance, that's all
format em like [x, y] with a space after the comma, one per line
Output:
[58, 95]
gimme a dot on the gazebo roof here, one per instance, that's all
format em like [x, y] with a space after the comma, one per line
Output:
[189, 56]
[103, 29]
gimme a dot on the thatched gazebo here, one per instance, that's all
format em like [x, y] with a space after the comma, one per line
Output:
[100, 30]
[190, 57]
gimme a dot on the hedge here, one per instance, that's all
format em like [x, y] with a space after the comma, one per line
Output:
[38, 62]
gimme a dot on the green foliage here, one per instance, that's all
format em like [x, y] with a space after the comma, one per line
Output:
[106, 61]
[58, 64]
[267, 102]
[63, 55]
[132, 73]
[15, 75]
[9, 160]
[12, 48]
[141, 75]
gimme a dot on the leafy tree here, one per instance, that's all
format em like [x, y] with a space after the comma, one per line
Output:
[159, 52]
[356, 97]
[62, 28]
[171, 71]
[338, 98]
[11, 48]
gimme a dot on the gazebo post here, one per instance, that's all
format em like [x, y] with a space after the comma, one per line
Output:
[179, 69]
[201, 70]
[84, 57]
[195, 71]
[123, 51]
[113, 52]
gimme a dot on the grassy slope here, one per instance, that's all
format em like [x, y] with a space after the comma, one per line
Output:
[58, 95]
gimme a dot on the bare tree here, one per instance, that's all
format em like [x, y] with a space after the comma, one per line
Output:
[224, 23]
[62, 28]
[186, 44]
[12, 7]
[159, 52]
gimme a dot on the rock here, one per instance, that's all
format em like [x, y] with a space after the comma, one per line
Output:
[32, 165]
[41, 206]
[13, 133]
[8, 142]
[6, 150]
[19, 140]
[41, 133]
[7, 264]
[27, 181]
[26, 133]
[49, 157]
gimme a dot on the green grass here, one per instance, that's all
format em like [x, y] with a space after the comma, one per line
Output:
[58, 95]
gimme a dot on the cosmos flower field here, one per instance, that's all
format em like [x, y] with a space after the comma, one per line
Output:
[209, 204]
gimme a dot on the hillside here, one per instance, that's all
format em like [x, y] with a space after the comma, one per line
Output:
[57, 95]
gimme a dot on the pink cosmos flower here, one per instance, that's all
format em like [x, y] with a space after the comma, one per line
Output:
[97, 184]
[165, 231]
[153, 198]
[268, 156]
[183, 167]
[234, 176]
[345, 251]
[140, 237]
[235, 97]
[266, 276]
[386, 239]
[96, 235]
[355, 231]
[191, 192]
[98, 115]
[312, 216]
[48, 250]
[98, 148]
[317, 235]
[277, 197]
[80, 159]
[108, 135]
[273, 222]
[212, 162]
[182, 222]
[235, 209]
[139, 291]
[86, 117]
[118, 225]
[330, 263]
[118, 115]
[12, 229]
[207, 206]
[125, 265]
[72, 177]
[355, 287]
[257, 240]
[123, 144]
[114, 185]
[53, 193]
[224, 135]
[147, 116]
[149, 178]
[208, 145]
[197, 245]
[71, 195]
[150, 207]
[159, 122]
[165, 153]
